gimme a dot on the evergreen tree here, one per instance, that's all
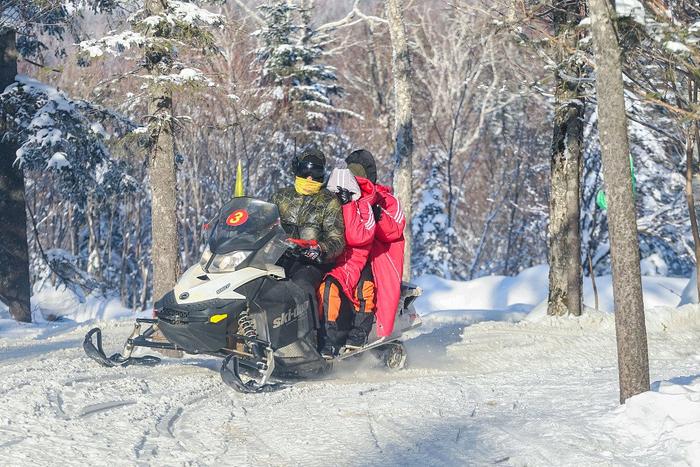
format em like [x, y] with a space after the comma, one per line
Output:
[317, 82]
[292, 73]
[277, 54]
[431, 233]
[41, 129]
[155, 35]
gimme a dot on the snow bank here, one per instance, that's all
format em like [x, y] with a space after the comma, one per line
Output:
[56, 310]
[63, 304]
[521, 292]
[529, 289]
[668, 416]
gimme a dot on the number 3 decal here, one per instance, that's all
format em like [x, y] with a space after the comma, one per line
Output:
[237, 217]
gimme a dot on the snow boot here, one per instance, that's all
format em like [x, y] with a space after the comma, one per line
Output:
[362, 326]
[331, 345]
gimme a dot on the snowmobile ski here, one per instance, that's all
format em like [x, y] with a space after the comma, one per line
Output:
[231, 376]
[97, 353]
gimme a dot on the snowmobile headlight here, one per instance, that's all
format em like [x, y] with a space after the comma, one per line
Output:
[228, 262]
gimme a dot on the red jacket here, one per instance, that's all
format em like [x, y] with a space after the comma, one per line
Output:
[386, 258]
[359, 234]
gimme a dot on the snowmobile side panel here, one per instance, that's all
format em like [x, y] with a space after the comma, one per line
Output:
[282, 308]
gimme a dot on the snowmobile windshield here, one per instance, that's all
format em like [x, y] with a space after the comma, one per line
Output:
[249, 228]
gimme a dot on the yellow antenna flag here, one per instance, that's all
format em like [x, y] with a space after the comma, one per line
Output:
[238, 190]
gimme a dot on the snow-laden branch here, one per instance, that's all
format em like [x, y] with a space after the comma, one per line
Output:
[114, 44]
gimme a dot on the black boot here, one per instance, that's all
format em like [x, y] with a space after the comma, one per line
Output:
[330, 345]
[362, 326]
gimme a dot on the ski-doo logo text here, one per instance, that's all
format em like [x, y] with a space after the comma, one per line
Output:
[287, 317]
[223, 288]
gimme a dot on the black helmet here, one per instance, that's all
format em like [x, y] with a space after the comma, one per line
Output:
[361, 164]
[311, 163]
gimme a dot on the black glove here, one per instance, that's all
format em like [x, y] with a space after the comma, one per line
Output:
[312, 253]
[344, 195]
[377, 212]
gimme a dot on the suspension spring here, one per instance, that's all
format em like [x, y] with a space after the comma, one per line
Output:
[246, 326]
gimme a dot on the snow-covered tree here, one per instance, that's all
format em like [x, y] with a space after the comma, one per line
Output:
[292, 72]
[154, 36]
[40, 130]
[659, 44]
[432, 235]
[317, 82]
[62, 137]
[277, 54]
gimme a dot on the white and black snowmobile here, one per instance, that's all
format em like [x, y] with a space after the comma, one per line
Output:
[236, 303]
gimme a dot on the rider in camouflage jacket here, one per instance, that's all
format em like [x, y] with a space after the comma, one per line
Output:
[314, 214]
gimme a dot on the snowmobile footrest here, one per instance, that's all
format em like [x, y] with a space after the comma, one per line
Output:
[97, 353]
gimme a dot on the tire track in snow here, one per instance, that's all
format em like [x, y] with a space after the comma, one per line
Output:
[166, 425]
[103, 406]
[56, 400]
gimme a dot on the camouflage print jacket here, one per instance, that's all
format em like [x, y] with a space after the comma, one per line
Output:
[313, 217]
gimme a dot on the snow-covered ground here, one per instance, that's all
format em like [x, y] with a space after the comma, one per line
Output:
[535, 391]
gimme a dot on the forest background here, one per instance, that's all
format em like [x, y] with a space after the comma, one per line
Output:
[484, 84]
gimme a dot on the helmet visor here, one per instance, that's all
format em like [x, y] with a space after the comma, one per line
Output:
[305, 169]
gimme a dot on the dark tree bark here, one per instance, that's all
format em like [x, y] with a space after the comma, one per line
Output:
[403, 120]
[632, 353]
[15, 289]
[565, 281]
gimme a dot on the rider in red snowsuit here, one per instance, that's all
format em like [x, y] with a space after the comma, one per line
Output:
[359, 235]
[374, 249]
[386, 258]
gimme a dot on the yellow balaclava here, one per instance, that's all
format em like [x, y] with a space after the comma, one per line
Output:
[305, 186]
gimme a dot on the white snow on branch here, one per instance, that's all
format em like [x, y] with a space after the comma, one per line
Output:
[630, 8]
[98, 129]
[58, 161]
[676, 47]
[192, 14]
[190, 76]
[114, 44]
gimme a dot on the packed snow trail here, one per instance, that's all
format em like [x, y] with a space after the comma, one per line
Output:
[540, 392]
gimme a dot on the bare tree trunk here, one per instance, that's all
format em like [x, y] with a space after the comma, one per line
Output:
[691, 177]
[690, 196]
[164, 236]
[403, 119]
[15, 289]
[632, 353]
[565, 281]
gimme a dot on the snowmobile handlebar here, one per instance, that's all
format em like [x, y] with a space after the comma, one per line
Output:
[307, 249]
[301, 243]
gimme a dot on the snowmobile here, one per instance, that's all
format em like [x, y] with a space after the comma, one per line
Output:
[237, 304]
